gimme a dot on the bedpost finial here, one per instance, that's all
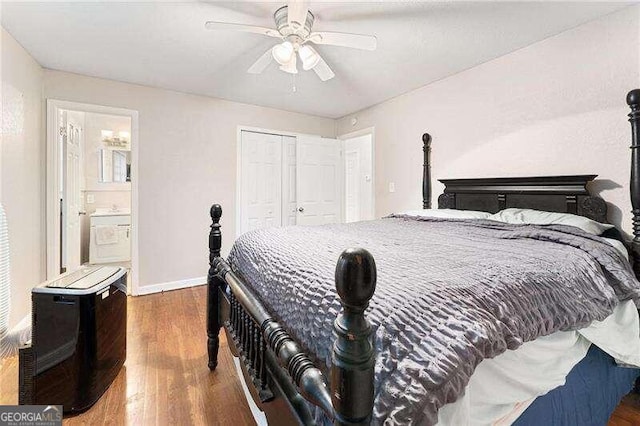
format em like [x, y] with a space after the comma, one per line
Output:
[426, 139]
[633, 98]
[215, 236]
[216, 213]
[356, 278]
[353, 358]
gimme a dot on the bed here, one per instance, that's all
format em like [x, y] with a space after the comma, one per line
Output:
[313, 353]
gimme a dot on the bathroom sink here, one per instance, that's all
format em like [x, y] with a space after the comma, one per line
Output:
[111, 212]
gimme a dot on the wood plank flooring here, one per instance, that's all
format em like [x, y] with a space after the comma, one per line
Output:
[166, 381]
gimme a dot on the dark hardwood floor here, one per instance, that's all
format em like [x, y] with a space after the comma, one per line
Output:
[166, 380]
[627, 413]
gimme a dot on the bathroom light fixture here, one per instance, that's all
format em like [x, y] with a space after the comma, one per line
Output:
[120, 141]
[124, 136]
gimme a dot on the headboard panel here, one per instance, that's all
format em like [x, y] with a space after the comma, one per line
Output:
[565, 194]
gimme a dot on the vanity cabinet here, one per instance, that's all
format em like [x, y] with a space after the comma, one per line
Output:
[119, 249]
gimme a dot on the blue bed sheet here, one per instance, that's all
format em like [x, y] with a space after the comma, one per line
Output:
[593, 389]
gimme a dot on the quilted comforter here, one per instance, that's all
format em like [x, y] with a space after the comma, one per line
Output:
[450, 293]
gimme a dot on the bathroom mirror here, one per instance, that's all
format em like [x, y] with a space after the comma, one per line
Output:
[115, 166]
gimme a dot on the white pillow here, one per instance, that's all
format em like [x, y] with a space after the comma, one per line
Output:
[448, 214]
[537, 217]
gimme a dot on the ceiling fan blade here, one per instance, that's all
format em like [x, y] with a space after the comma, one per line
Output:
[212, 25]
[262, 63]
[357, 41]
[323, 71]
[297, 13]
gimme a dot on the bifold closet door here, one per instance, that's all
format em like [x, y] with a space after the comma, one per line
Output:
[319, 177]
[289, 199]
[261, 181]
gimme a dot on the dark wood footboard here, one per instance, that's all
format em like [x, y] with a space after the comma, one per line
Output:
[274, 364]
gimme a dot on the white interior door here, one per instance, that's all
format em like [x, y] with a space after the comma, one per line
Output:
[289, 199]
[358, 153]
[319, 171]
[72, 203]
[352, 185]
[261, 181]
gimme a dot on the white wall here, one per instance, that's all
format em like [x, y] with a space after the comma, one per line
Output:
[187, 161]
[22, 171]
[555, 107]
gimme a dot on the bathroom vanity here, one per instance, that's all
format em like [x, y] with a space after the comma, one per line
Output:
[110, 236]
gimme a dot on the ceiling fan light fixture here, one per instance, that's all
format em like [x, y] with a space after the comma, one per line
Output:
[283, 53]
[309, 57]
[290, 66]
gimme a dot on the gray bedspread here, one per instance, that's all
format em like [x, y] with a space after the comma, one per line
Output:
[449, 294]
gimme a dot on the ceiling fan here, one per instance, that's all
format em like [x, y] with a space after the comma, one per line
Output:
[294, 24]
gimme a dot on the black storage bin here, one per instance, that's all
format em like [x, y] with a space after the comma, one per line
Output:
[78, 340]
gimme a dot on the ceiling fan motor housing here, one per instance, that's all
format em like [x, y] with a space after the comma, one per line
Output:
[281, 18]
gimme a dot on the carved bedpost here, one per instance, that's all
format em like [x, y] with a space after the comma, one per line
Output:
[633, 99]
[353, 356]
[426, 171]
[213, 315]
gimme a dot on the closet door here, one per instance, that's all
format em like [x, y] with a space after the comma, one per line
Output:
[289, 204]
[319, 177]
[261, 181]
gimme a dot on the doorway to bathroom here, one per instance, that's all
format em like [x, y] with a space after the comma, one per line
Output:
[91, 188]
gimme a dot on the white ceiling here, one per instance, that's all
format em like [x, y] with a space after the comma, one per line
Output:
[165, 45]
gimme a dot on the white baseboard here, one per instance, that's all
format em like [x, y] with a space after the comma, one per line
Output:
[171, 285]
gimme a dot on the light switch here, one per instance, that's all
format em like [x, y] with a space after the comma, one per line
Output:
[392, 187]
[91, 198]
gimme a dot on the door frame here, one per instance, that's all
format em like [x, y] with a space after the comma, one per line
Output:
[52, 209]
[362, 132]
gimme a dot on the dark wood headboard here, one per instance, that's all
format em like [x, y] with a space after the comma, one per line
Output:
[567, 194]
[564, 194]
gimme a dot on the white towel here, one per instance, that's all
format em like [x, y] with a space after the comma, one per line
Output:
[106, 234]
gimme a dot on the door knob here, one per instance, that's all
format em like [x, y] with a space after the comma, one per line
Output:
[82, 213]
[300, 209]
